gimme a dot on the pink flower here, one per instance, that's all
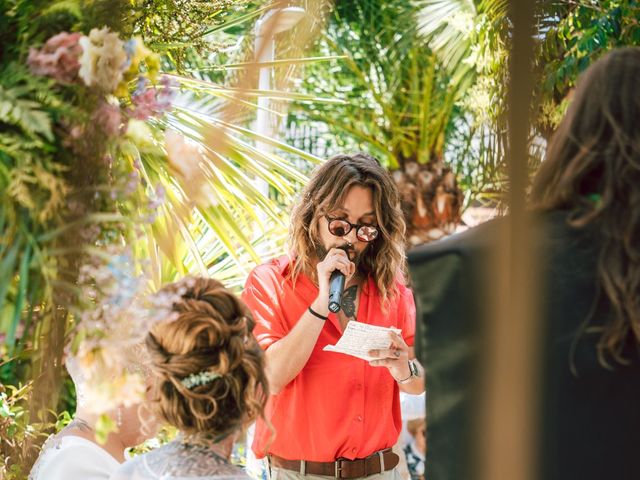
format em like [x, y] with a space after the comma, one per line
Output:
[152, 101]
[58, 58]
[167, 94]
[145, 104]
[109, 119]
[76, 132]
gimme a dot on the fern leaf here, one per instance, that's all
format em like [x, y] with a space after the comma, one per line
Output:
[25, 114]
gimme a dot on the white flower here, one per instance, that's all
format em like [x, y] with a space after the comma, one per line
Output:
[103, 59]
[107, 357]
[186, 159]
[462, 21]
[184, 156]
[124, 390]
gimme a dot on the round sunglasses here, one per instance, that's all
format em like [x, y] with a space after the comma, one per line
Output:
[340, 227]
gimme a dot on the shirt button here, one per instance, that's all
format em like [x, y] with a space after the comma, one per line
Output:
[359, 418]
[354, 450]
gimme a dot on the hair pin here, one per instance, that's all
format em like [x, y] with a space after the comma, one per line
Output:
[200, 378]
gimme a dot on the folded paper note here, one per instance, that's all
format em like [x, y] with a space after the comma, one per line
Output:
[359, 338]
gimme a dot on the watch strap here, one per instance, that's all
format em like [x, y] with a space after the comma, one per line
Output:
[413, 373]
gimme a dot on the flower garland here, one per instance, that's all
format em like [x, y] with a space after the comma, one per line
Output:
[108, 65]
[116, 311]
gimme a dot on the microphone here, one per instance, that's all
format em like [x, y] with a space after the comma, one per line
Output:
[336, 287]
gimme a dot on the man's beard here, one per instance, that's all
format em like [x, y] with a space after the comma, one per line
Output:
[321, 253]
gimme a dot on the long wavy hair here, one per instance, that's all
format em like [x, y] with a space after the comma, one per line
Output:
[592, 169]
[211, 333]
[384, 258]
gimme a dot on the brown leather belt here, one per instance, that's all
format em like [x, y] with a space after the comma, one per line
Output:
[381, 461]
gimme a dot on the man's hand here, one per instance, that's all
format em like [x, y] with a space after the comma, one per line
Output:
[395, 358]
[336, 259]
[288, 356]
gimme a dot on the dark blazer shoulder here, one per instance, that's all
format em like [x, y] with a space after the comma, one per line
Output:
[474, 240]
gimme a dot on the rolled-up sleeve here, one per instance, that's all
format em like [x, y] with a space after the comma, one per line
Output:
[261, 295]
[407, 315]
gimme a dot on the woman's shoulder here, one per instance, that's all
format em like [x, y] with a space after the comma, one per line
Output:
[138, 469]
[133, 468]
[72, 458]
[172, 463]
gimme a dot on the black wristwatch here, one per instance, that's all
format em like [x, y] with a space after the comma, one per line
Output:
[414, 372]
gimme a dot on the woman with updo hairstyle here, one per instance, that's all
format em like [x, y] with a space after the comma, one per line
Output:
[210, 383]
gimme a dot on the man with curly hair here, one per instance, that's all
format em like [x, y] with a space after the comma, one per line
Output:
[336, 415]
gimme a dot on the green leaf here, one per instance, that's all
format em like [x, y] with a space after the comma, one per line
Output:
[5, 410]
[23, 279]
[275, 63]
[7, 269]
[26, 114]
[239, 21]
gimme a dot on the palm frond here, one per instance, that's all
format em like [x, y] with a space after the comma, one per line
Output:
[453, 28]
[403, 95]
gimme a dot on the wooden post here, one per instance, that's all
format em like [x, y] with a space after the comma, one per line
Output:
[507, 433]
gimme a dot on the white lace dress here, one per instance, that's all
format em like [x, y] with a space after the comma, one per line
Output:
[178, 461]
[73, 458]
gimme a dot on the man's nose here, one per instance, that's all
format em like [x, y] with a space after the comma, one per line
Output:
[351, 237]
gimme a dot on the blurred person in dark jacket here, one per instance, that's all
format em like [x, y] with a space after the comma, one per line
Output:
[586, 211]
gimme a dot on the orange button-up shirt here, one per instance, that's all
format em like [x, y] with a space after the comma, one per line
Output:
[338, 406]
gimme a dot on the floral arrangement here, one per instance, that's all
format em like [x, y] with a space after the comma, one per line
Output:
[108, 342]
[116, 88]
[105, 63]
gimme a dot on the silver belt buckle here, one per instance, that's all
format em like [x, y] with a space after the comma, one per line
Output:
[338, 465]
